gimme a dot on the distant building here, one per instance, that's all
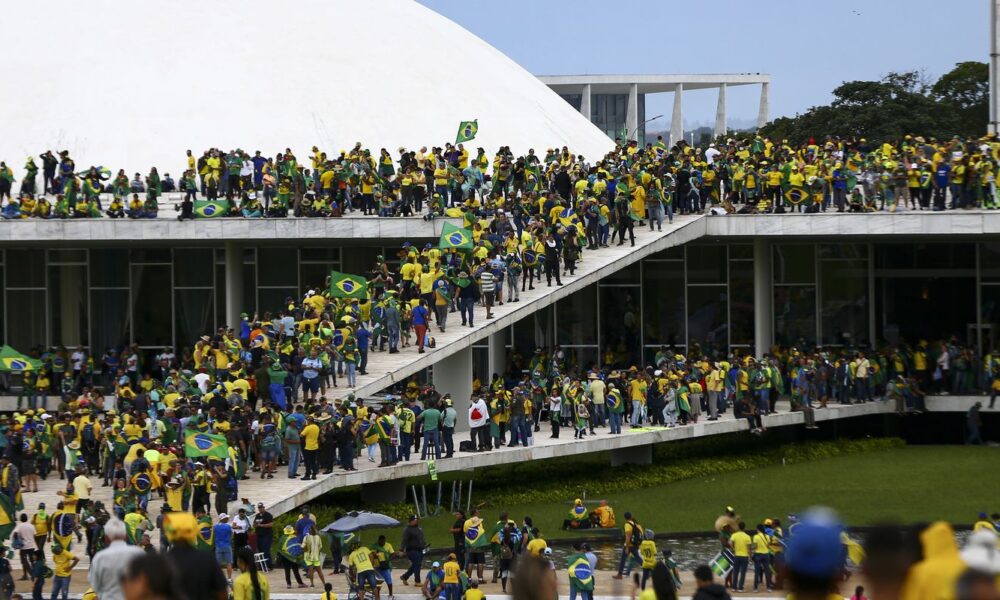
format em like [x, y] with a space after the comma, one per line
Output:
[616, 104]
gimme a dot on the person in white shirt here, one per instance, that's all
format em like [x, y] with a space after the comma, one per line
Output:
[479, 430]
[711, 153]
[241, 528]
[25, 533]
[202, 380]
[107, 566]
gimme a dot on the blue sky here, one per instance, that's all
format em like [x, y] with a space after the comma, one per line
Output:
[808, 46]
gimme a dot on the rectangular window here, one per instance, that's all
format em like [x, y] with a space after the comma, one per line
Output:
[26, 321]
[708, 311]
[575, 323]
[195, 315]
[620, 323]
[706, 263]
[663, 303]
[26, 268]
[844, 310]
[741, 319]
[277, 266]
[109, 267]
[109, 326]
[152, 305]
[795, 315]
[68, 305]
[193, 267]
[794, 263]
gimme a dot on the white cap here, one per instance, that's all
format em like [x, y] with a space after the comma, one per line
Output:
[223, 517]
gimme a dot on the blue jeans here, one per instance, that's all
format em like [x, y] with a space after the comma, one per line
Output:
[764, 401]
[599, 415]
[740, 571]
[465, 306]
[430, 437]
[294, 457]
[405, 445]
[636, 412]
[615, 422]
[518, 431]
[452, 591]
[624, 564]
[60, 584]
[761, 570]
[415, 557]
[584, 594]
[351, 374]
[393, 338]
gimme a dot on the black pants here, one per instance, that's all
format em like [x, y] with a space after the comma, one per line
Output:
[625, 224]
[552, 270]
[290, 568]
[311, 460]
[415, 557]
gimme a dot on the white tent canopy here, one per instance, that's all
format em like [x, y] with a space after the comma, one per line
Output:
[126, 84]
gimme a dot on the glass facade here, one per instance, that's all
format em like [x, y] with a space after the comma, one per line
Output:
[698, 297]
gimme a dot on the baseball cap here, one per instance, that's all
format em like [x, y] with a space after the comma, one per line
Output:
[815, 548]
[435, 564]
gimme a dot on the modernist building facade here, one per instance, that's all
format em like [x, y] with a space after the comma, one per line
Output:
[727, 289]
[616, 104]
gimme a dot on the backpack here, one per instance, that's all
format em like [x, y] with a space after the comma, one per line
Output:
[88, 433]
[637, 535]
[17, 542]
[270, 442]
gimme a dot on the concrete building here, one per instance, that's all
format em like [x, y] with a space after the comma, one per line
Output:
[616, 104]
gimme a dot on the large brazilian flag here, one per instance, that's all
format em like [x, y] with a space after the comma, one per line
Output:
[455, 237]
[13, 361]
[343, 285]
[206, 444]
[6, 516]
[208, 209]
[467, 130]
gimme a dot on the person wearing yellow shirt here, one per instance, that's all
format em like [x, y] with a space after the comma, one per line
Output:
[637, 394]
[451, 579]
[64, 562]
[310, 447]
[761, 548]
[250, 584]
[742, 545]
[537, 546]
[647, 552]
[361, 560]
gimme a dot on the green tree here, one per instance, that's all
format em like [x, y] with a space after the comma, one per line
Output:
[967, 89]
[884, 110]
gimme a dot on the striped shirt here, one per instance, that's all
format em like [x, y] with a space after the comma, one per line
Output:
[486, 282]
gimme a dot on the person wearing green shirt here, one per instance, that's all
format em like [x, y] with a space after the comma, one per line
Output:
[383, 551]
[277, 374]
[431, 418]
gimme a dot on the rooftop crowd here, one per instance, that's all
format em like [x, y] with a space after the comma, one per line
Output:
[745, 175]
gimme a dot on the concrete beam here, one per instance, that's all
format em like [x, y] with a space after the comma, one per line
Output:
[234, 285]
[763, 299]
[634, 455]
[764, 109]
[384, 492]
[453, 375]
[585, 109]
[720, 112]
[632, 113]
[677, 116]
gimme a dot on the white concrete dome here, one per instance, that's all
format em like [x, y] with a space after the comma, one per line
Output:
[127, 84]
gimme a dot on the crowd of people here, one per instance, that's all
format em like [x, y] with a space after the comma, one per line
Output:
[750, 174]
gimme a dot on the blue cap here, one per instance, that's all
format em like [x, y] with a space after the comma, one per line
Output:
[815, 549]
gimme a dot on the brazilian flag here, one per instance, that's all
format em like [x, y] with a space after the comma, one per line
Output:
[796, 195]
[206, 535]
[6, 516]
[13, 361]
[475, 535]
[455, 237]
[63, 527]
[208, 209]
[467, 130]
[206, 444]
[568, 218]
[347, 286]
[530, 258]
[141, 482]
[290, 548]
[581, 575]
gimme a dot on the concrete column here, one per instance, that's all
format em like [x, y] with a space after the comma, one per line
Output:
[498, 352]
[677, 117]
[720, 112]
[585, 102]
[234, 285]
[632, 113]
[764, 108]
[763, 298]
[633, 455]
[453, 375]
[384, 492]
[994, 123]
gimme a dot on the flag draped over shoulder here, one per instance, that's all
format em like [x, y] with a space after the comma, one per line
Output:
[6, 516]
[206, 444]
[343, 285]
[455, 237]
[207, 209]
[467, 130]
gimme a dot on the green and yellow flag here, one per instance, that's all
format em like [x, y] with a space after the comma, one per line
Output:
[208, 209]
[206, 444]
[6, 517]
[15, 362]
[455, 237]
[343, 285]
[467, 130]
